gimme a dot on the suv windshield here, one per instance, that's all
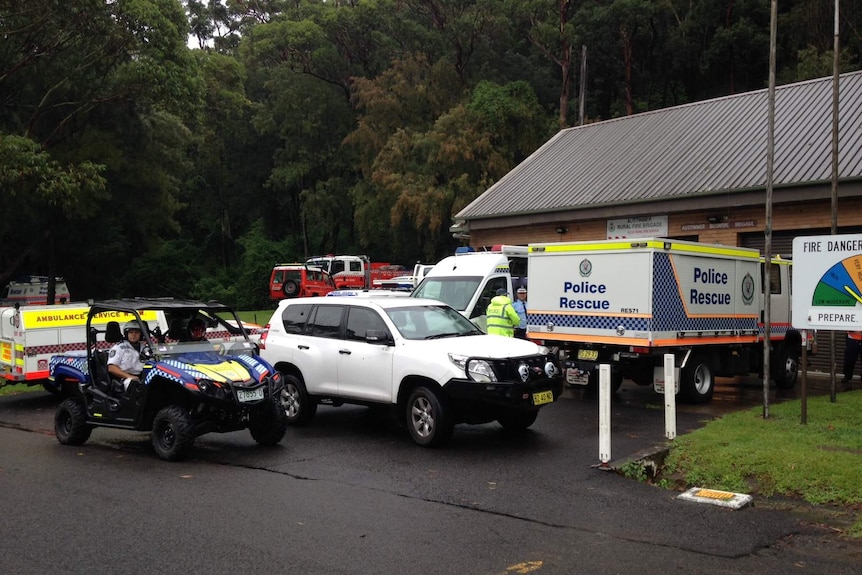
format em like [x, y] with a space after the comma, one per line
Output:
[430, 321]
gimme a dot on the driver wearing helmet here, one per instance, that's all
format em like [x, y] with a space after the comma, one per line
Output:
[197, 330]
[124, 359]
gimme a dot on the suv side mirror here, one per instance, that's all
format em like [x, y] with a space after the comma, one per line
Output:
[377, 336]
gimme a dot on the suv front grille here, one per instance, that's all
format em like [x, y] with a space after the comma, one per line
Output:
[509, 370]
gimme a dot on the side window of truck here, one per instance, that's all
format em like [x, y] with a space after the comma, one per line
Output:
[774, 278]
[295, 318]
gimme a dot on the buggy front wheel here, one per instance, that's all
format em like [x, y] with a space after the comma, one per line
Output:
[70, 422]
[173, 433]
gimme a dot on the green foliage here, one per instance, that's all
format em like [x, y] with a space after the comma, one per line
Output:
[634, 470]
[305, 127]
[821, 462]
[28, 172]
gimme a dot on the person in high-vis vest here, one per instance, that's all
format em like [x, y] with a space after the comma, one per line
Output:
[851, 353]
[502, 317]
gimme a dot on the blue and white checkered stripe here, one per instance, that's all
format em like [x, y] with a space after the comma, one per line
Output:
[587, 321]
[77, 362]
[183, 368]
[669, 311]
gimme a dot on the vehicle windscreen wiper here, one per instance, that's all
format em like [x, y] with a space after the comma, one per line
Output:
[440, 335]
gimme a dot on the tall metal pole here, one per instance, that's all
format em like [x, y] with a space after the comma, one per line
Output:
[767, 231]
[582, 92]
[835, 60]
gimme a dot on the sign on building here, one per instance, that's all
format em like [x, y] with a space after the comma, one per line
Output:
[827, 282]
[643, 227]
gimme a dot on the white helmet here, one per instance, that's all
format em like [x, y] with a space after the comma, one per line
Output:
[130, 325]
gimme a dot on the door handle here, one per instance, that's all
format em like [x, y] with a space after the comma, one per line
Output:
[302, 346]
[344, 351]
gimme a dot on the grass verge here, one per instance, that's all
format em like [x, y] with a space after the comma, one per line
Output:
[819, 462]
[18, 388]
[260, 316]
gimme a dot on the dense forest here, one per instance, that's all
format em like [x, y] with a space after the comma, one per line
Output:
[167, 147]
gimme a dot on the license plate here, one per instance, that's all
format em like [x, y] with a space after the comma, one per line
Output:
[588, 354]
[543, 397]
[249, 394]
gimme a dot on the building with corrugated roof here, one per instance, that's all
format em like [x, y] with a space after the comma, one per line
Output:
[695, 172]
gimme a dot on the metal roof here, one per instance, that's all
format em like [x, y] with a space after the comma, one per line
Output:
[703, 148]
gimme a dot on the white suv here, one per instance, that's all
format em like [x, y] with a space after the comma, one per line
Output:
[420, 356]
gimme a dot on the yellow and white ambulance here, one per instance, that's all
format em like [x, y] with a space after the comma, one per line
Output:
[31, 334]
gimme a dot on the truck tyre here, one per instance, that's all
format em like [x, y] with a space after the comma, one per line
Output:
[173, 433]
[429, 419]
[697, 379]
[70, 422]
[616, 381]
[643, 372]
[268, 422]
[785, 368]
[290, 288]
[518, 420]
[299, 408]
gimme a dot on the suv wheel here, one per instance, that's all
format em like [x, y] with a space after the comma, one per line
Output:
[298, 407]
[70, 422]
[518, 420]
[429, 419]
[173, 433]
[268, 422]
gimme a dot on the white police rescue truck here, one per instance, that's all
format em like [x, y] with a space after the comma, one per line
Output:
[627, 303]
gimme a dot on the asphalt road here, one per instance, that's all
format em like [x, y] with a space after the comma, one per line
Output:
[351, 494]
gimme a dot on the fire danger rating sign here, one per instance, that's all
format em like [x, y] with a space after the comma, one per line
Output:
[827, 282]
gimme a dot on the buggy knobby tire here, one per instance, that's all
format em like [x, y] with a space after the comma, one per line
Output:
[70, 422]
[268, 422]
[173, 433]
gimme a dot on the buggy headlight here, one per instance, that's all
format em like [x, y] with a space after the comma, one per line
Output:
[480, 370]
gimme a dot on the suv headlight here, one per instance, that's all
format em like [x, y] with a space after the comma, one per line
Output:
[480, 370]
[459, 360]
[476, 369]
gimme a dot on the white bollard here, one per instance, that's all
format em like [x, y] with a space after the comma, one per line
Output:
[669, 397]
[604, 414]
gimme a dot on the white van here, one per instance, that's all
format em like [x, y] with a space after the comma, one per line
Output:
[469, 279]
